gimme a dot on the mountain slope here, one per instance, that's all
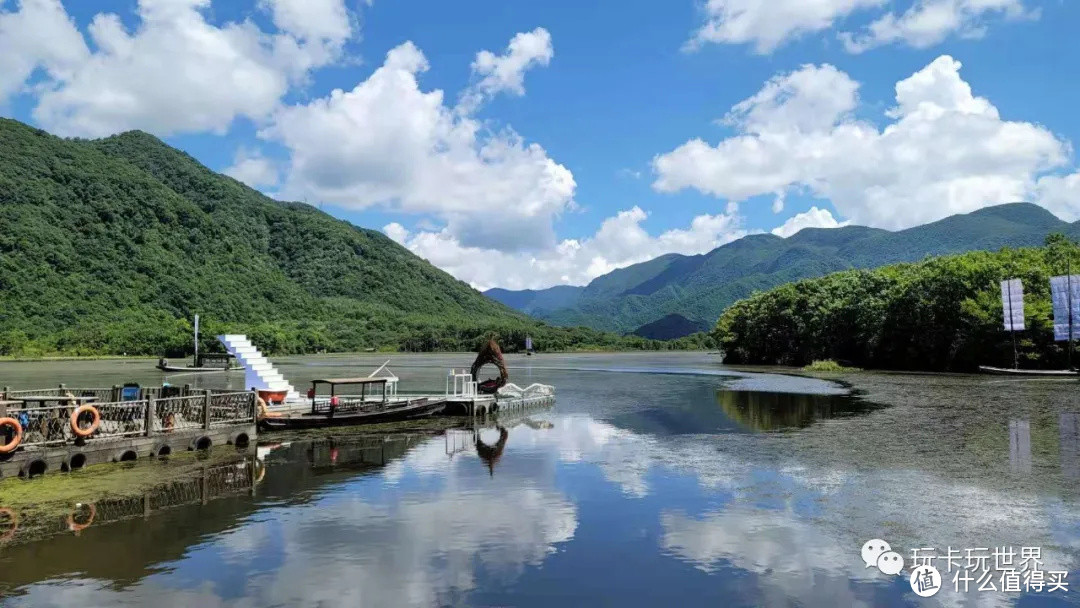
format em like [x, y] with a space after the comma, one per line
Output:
[110, 246]
[669, 327]
[537, 302]
[700, 287]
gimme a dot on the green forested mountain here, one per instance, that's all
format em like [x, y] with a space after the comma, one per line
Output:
[940, 314]
[670, 327]
[111, 246]
[700, 287]
[531, 301]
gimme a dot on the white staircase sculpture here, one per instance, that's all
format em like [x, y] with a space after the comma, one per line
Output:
[259, 373]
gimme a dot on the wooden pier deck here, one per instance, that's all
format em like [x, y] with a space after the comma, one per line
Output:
[128, 423]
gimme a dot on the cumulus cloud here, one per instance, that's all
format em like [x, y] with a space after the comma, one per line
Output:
[620, 241]
[768, 25]
[944, 150]
[929, 22]
[252, 168]
[506, 72]
[38, 34]
[389, 143]
[814, 218]
[1060, 194]
[175, 72]
[311, 19]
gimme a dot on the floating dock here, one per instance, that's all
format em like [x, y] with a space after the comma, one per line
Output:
[463, 397]
[64, 429]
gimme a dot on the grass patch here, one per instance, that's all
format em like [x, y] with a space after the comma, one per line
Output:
[828, 365]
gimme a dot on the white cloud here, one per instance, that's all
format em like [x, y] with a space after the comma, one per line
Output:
[768, 25]
[814, 218]
[619, 242]
[397, 232]
[810, 99]
[1060, 194]
[39, 34]
[929, 22]
[945, 150]
[778, 202]
[386, 142]
[311, 19]
[252, 168]
[177, 72]
[506, 72]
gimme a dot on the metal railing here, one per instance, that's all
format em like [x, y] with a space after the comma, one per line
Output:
[461, 384]
[108, 394]
[179, 413]
[231, 408]
[44, 425]
[50, 425]
[347, 404]
[100, 394]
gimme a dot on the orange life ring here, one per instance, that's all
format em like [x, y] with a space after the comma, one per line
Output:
[76, 528]
[6, 536]
[10, 446]
[264, 412]
[79, 411]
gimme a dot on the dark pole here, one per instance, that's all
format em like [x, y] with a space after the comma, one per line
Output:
[1068, 279]
[1012, 326]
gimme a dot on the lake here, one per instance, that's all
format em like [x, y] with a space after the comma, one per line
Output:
[655, 479]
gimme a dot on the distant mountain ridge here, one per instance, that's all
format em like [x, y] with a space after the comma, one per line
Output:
[110, 246]
[699, 287]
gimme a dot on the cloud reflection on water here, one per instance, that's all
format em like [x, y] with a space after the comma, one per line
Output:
[783, 516]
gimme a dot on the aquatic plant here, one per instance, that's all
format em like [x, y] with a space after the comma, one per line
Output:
[828, 365]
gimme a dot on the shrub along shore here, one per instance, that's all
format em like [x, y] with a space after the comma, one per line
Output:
[940, 314]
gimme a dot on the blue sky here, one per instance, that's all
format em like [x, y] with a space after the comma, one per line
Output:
[596, 134]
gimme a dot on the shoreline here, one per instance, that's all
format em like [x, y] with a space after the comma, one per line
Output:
[58, 358]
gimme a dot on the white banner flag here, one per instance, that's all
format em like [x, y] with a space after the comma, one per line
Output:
[1012, 304]
[1064, 303]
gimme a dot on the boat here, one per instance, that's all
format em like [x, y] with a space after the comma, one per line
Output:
[1005, 371]
[411, 409]
[369, 407]
[204, 363]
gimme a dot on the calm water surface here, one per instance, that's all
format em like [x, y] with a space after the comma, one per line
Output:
[654, 480]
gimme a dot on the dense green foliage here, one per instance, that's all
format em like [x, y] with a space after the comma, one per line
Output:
[943, 313]
[112, 246]
[700, 287]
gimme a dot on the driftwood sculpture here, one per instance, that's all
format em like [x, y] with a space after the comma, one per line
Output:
[491, 454]
[490, 353]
